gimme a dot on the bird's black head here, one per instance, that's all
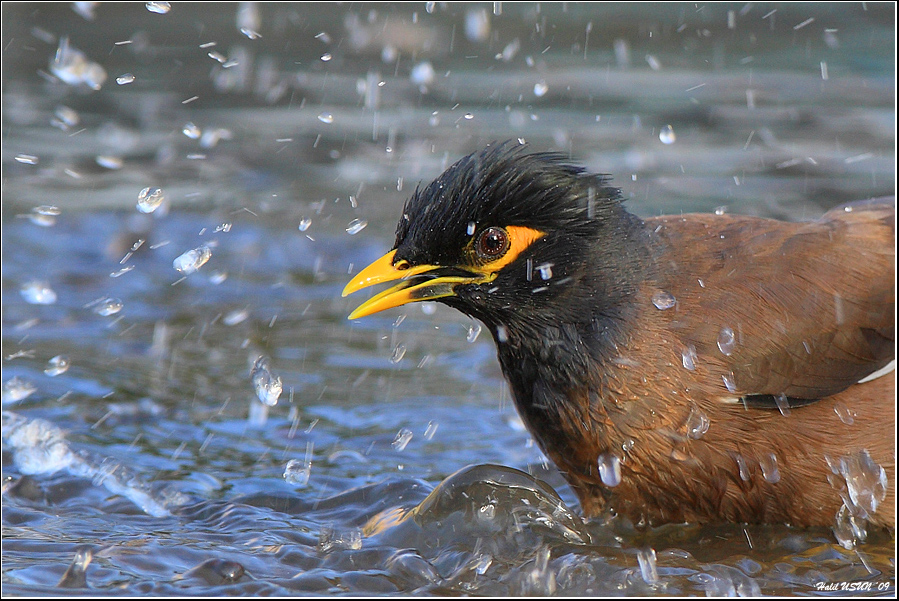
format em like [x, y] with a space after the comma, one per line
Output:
[516, 240]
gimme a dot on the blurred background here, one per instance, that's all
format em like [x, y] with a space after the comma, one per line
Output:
[187, 187]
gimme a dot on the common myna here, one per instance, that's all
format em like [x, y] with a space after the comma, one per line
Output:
[697, 367]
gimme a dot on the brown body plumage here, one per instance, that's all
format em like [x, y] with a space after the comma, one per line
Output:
[688, 368]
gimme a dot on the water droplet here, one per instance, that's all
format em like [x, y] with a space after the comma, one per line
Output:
[487, 512]
[848, 529]
[434, 119]
[697, 424]
[726, 341]
[866, 482]
[846, 415]
[422, 74]
[192, 260]
[720, 210]
[331, 539]
[609, 469]
[469, 116]
[217, 277]
[428, 308]
[402, 439]
[15, 390]
[191, 131]
[38, 293]
[235, 317]
[150, 199]
[768, 464]
[666, 135]
[355, 226]
[65, 118]
[297, 472]
[783, 404]
[430, 430]
[125, 79]
[688, 355]
[729, 382]
[268, 386]
[471, 227]
[399, 320]
[109, 306]
[305, 222]
[546, 271]
[28, 159]
[741, 466]
[540, 88]
[398, 353]
[502, 334]
[326, 57]
[648, 566]
[57, 365]
[474, 330]
[663, 300]
[109, 162]
[429, 7]
[253, 35]
[326, 118]
[160, 8]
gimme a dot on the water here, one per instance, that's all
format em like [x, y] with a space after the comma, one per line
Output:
[138, 470]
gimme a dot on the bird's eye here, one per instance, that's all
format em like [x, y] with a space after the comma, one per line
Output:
[492, 243]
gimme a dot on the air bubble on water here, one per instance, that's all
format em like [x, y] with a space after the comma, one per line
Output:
[192, 260]
[125, 78]
[398, 353]
[428, 308]
[726, 340]
[28, 159]
[38, 293]
[666, 135]
[159, 8]
[474, 330]
[17, 389]
[609, 469]
[430, 430]
[688, 355]
[57, 365]
[326, 117]
[768, 465]
[355, 226]
[191, 131]
[663, 300]
[697, 424]
[402, 439]
[109, 306]
[540, 88]
[267, 386]
[149, 199]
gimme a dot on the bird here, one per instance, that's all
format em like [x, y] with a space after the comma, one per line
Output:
[676, 368]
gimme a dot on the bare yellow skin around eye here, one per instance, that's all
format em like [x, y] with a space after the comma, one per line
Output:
[520, 238]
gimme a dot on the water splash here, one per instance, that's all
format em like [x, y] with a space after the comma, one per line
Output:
[268, 386]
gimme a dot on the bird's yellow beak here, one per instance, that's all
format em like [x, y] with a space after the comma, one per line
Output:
[410, 289]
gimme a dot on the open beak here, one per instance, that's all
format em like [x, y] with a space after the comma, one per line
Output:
[418, 283]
